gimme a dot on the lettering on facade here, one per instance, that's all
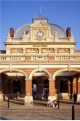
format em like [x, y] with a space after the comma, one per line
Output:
[40, 45]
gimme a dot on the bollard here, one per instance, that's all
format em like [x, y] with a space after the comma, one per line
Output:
[8, 102]
[73, 113]
[58, 104]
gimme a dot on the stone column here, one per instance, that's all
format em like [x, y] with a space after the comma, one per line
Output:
[52, 90]
[28, 92]
[70, 89]
[74, 84]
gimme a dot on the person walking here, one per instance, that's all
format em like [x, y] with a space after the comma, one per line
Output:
[75, 97]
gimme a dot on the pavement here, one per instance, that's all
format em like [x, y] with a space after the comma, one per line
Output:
[18, 111]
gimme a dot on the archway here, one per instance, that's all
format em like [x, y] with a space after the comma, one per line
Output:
[66, 82]
[40, 85]
[12, 84]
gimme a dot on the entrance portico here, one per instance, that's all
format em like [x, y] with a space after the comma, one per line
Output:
[12, 83]
[66, 83]
[40, 87]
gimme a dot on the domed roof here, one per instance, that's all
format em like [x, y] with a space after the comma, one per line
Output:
[60, 32]
[25, 28]
[19, 32]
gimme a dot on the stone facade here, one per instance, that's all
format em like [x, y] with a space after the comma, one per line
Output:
[40, 55]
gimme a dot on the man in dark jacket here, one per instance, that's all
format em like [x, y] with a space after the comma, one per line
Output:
[75, 97]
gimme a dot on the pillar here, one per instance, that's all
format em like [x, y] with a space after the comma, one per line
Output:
[74, 84]
[28, 92]
[70, 88]
[52, 90]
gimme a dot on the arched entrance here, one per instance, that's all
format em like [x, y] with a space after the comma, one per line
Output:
[40, 85]
[12, 84]
[67, 82]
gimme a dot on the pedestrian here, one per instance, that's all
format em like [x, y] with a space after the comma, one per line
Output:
[75, 97]
[34, 94]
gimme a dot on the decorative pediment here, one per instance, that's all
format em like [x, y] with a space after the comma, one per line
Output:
[16, 50]
[39, 31]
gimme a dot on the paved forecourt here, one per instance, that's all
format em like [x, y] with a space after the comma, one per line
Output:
[38, 112]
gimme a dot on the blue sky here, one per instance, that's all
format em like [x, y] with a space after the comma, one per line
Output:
[17, 13]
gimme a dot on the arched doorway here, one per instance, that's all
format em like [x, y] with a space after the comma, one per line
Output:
[12, 83]
[66, 83]
[40, 85]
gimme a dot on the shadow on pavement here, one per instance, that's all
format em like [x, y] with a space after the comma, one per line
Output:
[16, 102]
[69, 102]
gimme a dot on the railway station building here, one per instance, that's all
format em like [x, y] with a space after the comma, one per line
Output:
[40, 62]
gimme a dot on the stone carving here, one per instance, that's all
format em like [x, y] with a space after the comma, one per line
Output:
[48, 50]
[16, 50]
[32, 50]
[40, 31]
[63, 50]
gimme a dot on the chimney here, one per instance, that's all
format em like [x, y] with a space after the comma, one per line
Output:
[68, 32]
[11, 32]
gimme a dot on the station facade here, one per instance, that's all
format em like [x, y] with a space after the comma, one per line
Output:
[40, 62]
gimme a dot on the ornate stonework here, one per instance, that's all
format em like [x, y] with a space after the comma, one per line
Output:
[16, 50]
[63, 50]
[40, 52]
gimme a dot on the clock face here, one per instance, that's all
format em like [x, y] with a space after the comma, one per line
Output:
[40, 34]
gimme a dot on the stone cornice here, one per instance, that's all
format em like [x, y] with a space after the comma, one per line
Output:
[38, 43]
[43, 54]
[42, 63]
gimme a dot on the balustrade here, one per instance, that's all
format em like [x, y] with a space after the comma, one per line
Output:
[70, 58]
[37, 58]
[12, 58]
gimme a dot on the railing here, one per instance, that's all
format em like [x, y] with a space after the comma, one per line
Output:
[11, 58]
[70, 58]
[39, 58]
